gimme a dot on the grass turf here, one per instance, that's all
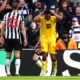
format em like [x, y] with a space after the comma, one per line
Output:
[40, 78]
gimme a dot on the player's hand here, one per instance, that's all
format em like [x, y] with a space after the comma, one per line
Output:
[1, 40]
[25, 43]
[52, 11]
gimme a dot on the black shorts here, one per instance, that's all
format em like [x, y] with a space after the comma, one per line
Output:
[11, 44]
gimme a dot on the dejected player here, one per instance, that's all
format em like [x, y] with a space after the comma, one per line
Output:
[48, 19]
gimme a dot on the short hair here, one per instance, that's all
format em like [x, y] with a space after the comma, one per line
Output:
[15, 5]
[47, 11]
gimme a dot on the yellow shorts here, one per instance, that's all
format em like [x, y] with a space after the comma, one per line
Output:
[48, 45]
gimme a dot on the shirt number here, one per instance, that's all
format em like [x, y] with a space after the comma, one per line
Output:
[13, 23]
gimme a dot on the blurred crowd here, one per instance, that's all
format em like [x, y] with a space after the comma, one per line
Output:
[68, 9]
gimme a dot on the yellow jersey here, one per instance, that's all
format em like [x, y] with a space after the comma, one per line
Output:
[48, 28]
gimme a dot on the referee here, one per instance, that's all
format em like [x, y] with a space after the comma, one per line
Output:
[13, 25]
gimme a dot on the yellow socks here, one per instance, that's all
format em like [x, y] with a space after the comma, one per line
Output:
[54, 67]
[43, 66]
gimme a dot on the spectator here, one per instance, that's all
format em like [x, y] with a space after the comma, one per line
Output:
[60, 25]
[75, 31]
[39, 7]
[64, 8]
[32, 34]
[29, 20]
[75, 2]
[2, 8]
[77, 13]
[65, 42]
[69, 18]
[33, 41]
[24, 9]
[2, 5]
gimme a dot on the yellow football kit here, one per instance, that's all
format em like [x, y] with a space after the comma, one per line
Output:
[48, 34]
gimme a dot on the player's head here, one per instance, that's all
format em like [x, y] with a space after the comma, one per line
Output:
[15, 6]
[47, 14]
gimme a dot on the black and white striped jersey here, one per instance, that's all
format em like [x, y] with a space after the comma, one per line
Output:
[13, 21]
[24, 10]
[75, 33]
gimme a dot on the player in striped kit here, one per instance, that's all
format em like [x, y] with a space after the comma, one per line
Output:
[13, 25]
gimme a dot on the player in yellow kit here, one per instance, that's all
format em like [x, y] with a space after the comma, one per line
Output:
[48, 37]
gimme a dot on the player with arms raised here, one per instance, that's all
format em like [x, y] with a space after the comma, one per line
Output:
[48, 19]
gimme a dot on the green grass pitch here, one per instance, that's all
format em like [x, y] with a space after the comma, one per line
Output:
[40, 78]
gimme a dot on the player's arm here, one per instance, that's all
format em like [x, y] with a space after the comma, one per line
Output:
[3, 5]
[55, 14]
[37, 18]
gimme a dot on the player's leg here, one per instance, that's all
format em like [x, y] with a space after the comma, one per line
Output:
[8, 49]
[8, 64]
[17, 47]
[54, 65]
[37, 59]
[53, 57]
[44, 53]
[44, 62]
[17, 62]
